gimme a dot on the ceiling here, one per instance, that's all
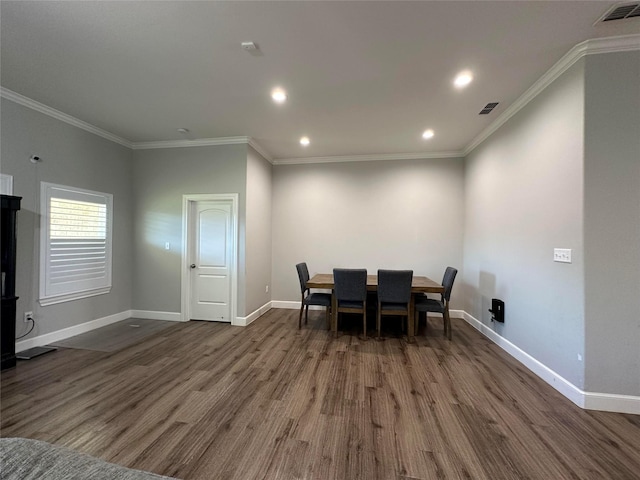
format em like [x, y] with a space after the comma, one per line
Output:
[362, 77]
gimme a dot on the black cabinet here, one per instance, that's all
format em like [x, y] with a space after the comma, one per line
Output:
[10, 207]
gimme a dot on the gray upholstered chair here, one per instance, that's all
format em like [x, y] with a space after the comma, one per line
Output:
[350, 289]
[394, 294]
[425, 304]
[308, 298]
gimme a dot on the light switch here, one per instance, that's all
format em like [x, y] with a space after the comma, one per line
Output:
[562, 255]
[167, 246]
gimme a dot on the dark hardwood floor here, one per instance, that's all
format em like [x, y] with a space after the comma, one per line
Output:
[208, 401]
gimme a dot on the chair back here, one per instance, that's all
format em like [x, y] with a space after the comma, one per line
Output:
[303, 276]
[350, 284]
[447, 282]
[394, 286]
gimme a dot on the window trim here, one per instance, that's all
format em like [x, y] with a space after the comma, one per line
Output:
[47, 190]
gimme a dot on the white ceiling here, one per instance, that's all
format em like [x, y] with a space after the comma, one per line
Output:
[362, 77]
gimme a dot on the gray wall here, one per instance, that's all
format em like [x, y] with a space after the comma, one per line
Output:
[380, 214]
[74, 157]
[161, 177]
[524, 191]
[612, 223]
[258, 232]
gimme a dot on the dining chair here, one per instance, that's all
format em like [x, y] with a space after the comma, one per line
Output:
[350, 290]
[426, 304]
[308, 298]
[394, 294]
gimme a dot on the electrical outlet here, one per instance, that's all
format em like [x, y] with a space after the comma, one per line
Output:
[167, 246]
[28, 317]
[266, 289]
[562, 255]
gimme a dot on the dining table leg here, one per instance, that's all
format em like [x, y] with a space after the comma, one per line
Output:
[411, 320]
[334, 313]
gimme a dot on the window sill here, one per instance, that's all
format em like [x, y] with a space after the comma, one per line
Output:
[73, 296]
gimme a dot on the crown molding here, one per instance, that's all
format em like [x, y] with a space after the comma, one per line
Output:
[366, 158]
[260, 149]
[624, 43]
[201, 142]
[63, 117]
[204, 142]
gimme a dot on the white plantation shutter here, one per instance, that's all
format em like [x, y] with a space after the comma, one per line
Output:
[76, 243]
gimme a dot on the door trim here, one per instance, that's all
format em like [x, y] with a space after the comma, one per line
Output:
[187, 201]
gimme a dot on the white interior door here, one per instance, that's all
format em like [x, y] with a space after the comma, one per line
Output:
[211, 257]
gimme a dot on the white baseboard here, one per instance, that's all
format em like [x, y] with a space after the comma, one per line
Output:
[608, 402]
[285, 304]
[65, 333]
[244, 321]
[295, 305]
[152, 315]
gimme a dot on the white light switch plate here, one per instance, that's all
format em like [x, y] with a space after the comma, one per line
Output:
[562, 255]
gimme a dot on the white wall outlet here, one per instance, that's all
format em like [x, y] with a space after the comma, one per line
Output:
[579, 357]
[28, 316]
[167, 246]
[266, 289]
[562, 255]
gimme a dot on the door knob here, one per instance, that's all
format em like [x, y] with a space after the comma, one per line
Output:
[193, 265]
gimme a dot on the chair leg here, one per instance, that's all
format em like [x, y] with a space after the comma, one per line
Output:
[447, 320]
[378, 320]
[364, 323]
[328, 317]
[306, 315]
[300, 317]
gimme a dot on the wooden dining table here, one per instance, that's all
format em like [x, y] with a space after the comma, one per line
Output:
[419, 284]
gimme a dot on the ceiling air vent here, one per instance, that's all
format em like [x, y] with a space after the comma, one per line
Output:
[620, 12]
[488, 108]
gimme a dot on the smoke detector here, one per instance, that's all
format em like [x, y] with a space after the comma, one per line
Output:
[249, 46]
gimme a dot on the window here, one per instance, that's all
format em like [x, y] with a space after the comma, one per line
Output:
[75, 243]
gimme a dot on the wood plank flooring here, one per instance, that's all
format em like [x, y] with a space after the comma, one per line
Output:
[209, 401]
[115, 336]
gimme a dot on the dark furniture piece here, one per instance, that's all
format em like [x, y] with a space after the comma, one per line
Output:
[10, 207]
[350, 294]
[394, 294]
[425, 304]
[308, 298]
[419, 285]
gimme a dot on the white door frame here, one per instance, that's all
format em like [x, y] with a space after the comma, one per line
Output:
[187, 201]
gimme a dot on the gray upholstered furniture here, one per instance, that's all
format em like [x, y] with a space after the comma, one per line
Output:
[308, 298]
[27, 459]
[425, 304]
[394, 294]
[350, 289]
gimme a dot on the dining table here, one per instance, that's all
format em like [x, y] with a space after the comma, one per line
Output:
[419, 284]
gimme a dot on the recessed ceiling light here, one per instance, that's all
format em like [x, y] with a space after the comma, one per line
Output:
[279, 95]
[463, 79]
[427, 134]
[304, 141]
